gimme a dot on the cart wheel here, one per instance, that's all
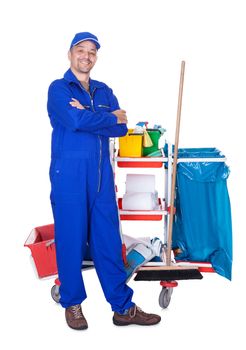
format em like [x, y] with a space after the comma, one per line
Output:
[55, 293]
[165, 297]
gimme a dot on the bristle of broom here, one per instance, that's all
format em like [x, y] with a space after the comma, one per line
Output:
[168, 275]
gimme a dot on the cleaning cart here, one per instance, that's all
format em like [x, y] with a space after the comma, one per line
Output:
[202, 234]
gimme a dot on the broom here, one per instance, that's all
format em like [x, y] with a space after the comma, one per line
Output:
[171, 272]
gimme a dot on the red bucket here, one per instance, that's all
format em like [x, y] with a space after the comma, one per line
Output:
[41, 243]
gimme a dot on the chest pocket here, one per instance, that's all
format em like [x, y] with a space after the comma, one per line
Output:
[103, 107]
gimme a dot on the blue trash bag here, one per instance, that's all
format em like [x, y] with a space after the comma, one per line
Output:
[202, 228]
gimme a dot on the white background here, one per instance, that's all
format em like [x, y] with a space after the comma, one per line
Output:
[143, 44]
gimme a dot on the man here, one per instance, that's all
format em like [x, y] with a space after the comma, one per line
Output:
[84, 113]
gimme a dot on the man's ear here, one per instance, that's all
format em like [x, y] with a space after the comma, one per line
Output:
[69, 55]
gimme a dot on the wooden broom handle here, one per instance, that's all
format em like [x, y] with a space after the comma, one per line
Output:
[175, 158]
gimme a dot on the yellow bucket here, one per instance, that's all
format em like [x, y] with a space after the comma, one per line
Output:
[131, 144]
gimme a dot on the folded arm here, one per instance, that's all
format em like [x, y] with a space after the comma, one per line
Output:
[73, 118]
[120, 129]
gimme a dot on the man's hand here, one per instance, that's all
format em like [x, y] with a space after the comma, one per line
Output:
[121, 116]
[76, 103]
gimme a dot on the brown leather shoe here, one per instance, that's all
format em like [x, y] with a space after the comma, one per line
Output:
[135, 316]
[75, 318]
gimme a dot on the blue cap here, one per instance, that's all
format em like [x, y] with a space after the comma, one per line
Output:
[83, 36]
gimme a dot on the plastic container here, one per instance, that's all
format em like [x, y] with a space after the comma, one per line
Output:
[131, 145]
[42, 246]
[155, 135]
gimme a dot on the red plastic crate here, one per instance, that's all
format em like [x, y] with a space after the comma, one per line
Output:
[41, 243]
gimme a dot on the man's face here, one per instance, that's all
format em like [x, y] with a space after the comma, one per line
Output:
[83, 56]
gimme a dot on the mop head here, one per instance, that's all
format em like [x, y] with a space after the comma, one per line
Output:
[168, 275]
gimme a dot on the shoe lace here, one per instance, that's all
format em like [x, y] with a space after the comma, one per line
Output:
[77, 312]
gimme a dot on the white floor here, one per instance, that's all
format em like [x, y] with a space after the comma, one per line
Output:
[143, 43]
[202, 314]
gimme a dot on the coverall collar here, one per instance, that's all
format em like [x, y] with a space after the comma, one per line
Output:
[71, 78]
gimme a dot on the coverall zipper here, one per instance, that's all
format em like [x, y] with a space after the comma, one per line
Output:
[99, 138]
[100, 143]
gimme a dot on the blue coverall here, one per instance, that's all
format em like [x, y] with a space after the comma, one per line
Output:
[82, 190]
